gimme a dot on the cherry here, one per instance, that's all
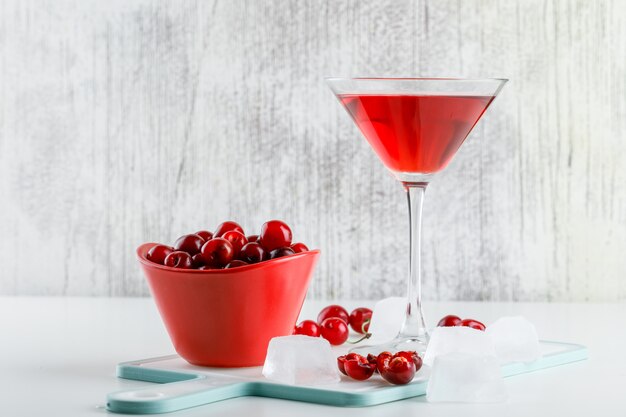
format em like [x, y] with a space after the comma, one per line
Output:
[189, 243]
[178, 259]
[307, 328]
[359, 368]
[333, 311]
[217, 252]
[226, 227]
[334, 330]
[252, 238]
[197, 261]
[398, 370]
[235, 264]
[474, 324]
[205, 234]
[371, 358]
[157, 253]
[252, 253]
[360, 319]
[382, 359]
[280, 252]
[299, 247]
[237, 239]
[449, 321]
[341, 361]
[275, 234]
[411, 356]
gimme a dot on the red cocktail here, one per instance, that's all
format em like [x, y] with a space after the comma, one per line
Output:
[415, 133]
[415, 126]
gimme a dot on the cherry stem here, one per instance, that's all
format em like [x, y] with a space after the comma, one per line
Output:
[365, 336]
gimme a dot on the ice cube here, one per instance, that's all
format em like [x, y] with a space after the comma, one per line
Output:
[300, 360]
[515, 339]
[387, 318]
[466, 377]
[457, 340]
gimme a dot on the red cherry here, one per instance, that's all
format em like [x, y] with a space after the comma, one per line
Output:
[158, 253]
[178, 259]
[333, 311]
[411, 356]
[334, 330]
[382, 360]
[299, 247]
[252, 253]
[399, 370]
[373, 359]
[252, 238]
[226, 227]
[359, 368]
[280, 252]
[275, 234]
[237, 239]
[197, 261]
[307, 328]
[474, 324]
[217, 252]
[449, 321]
[189, 243]
[341, 361]
[360, 319]
[205, 234]
[235, 264]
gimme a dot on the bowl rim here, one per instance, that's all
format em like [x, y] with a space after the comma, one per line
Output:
[142, 251]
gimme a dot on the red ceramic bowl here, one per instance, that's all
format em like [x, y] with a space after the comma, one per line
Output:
[226, 317]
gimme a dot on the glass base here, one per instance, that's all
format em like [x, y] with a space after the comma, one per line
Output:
[413, 178]
[396, 345]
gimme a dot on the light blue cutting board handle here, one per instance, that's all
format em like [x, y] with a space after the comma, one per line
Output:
[174, 396]
[179, 390]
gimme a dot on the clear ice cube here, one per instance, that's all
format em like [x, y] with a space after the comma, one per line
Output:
[387, 318]
[515, 339]
[459, 339]
[300, 360]
[466, 377]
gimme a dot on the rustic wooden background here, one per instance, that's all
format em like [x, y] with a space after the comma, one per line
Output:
[130, 121]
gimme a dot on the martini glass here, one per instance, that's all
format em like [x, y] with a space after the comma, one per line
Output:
[415, 126]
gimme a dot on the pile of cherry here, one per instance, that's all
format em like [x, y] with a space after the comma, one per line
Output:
[399, 368]
[452, 321]
[333, 321]
[227, 247]
[332, 324]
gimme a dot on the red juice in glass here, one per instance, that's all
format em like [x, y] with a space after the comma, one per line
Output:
[415, 126]
[415, 133]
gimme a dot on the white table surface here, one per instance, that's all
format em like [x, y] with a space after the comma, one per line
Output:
[58, 358]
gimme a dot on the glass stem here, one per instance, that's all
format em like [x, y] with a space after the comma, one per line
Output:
[414, 326]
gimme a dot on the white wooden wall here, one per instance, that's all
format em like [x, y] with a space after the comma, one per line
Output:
[130, 121]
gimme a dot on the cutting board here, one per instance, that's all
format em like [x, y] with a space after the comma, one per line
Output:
[182, 385]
